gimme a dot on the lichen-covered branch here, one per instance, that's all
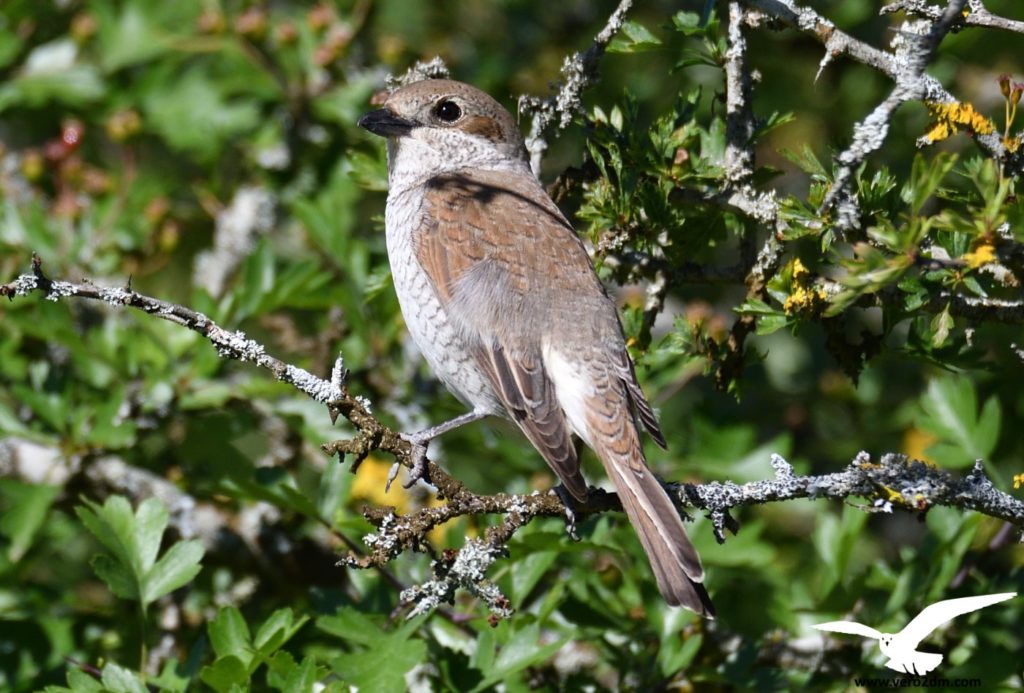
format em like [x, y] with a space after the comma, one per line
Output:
[893, 482]
[976, 14]
[913, 48]
[739, 115]
[838, 43]
[579, 71]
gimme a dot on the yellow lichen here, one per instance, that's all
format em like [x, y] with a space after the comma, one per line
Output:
[1018, 480]
[1012, 144]
[950, 117]
[804, 300]
[984, 254]
[894, 496]
[800, 271]
[804, 297]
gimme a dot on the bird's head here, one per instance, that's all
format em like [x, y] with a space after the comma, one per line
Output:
[441, 125]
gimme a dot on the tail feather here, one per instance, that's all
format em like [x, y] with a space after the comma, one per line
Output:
[673, 558]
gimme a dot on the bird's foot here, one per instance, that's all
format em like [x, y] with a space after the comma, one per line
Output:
[419, 441]
[417, 460]
[570, 514]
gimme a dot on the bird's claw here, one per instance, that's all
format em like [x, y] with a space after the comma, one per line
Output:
[570, 514]
[392, 473]
[417, 459]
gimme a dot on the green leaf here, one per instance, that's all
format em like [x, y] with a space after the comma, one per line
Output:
[389, 655]
[521, 651]
[949, 411]
[132, 572]
[303, 678]
[175, 568]
[225, 673]
[113, 524]
[117, 679]
[530, 568]
[925, 177]
[27, 506]
[229, 634]
[118, 576]
[941, 324]
[194, 116]
[634, 38]
[53, 77]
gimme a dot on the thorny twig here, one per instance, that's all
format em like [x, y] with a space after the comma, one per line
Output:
[913, 48]
[837, 43]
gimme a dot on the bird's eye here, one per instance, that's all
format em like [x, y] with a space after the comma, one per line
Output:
[448, 111]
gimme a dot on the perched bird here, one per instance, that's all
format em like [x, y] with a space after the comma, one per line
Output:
[500, 295]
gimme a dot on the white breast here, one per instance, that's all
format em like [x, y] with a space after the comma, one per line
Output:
[428, 324]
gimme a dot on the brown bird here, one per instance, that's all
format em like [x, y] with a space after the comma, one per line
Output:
[500, 296]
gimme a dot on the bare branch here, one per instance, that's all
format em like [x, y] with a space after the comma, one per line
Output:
[894, 482]
[977, 14]
[739, 116]
[579, 71]
[837, 42]
[913, 47]
[233, 345]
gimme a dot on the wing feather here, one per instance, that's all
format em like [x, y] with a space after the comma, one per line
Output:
[493, 283]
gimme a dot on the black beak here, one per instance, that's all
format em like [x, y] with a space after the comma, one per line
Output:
[386, 123]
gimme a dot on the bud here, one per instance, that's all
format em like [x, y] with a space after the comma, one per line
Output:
[83, 26]
[211, 22]
[319, 17]
[285, 33]
[252, 23]
[1018, 91]
[32, 165]
[1004, 85]
[122, 125]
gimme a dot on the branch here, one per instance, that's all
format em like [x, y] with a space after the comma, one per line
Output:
[739, 115]
[837, 42]
[894, 482]
[977, 15]
[579, 71]
[914, 47]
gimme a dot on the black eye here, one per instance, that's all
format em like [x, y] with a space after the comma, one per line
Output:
[448, 111]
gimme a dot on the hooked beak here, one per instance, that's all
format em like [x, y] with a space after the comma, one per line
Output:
[386, 123]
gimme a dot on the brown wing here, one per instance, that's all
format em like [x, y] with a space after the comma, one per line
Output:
[503, 285]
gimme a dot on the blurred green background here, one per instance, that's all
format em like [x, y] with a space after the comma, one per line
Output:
[207, 152]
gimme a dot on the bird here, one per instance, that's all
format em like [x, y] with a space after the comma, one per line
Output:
[901, 648]
[498, 292]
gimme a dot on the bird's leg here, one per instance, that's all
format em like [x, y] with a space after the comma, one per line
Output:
[570, 514]
[419, 442]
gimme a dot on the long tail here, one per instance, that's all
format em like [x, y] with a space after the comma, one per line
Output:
[597, 403]
[672, 555]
